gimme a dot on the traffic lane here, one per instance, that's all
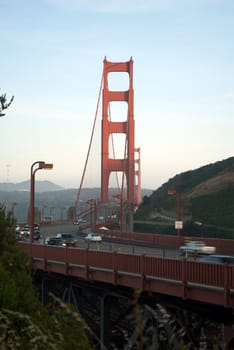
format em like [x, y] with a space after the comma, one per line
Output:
[128, 249]
[127, 246]
[125, 249]
[112, 244]
[108, 245]
[53, 229]
[122, 248]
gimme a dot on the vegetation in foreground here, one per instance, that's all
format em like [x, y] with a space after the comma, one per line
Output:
[24, 323]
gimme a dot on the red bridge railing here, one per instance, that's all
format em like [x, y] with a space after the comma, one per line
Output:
[168, 240]
[211, 283]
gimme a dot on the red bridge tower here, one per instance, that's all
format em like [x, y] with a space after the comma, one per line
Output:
[128, 165]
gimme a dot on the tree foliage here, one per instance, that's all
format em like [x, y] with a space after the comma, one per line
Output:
[4, 104]
[24, 323]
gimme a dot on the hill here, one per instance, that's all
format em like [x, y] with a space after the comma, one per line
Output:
[40, 186]
[206, 202]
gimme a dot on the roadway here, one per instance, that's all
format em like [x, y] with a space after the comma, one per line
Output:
[109, 244]
[112, 244]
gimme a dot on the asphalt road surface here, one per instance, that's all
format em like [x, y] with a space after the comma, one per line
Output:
[108, 244]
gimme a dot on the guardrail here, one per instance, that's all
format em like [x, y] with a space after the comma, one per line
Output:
[210, 283]
[168, 241]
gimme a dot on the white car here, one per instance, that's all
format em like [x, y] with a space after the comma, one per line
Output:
[25, 231]
[17, 228]
[93, 237]
[78, 221]
[197, 247]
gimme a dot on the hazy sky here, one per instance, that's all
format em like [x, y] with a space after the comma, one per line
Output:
[51, 58]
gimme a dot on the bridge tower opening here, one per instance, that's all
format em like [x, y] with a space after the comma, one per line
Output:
[128, 165]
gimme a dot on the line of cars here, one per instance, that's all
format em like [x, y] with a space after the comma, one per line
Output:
[192, 248]
[60, 239]
[67, 239]
[23, 234]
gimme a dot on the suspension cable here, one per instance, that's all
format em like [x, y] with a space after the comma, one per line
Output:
[89, 148]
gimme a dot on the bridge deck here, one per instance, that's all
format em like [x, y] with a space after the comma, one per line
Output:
[210, 283]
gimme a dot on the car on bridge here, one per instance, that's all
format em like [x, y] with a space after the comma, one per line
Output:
[51, 240]
[25, 231]
[68, 239]
[196, 248]
[36, 235]
[93, 237]
[17, 228]
[78, 221]
[218, 259]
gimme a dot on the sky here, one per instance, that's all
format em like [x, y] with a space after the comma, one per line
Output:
[52, 54]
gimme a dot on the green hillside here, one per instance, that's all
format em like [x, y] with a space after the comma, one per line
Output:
[206, 203]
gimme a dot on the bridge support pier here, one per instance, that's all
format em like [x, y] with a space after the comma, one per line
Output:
[71, 296]
[228, 337]
[127, 220]
[44, 291]
[121, 318]
[105, 320]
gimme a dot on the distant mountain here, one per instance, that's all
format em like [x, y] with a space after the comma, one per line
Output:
[40, 186]
[52, 198]
[47, 186]
[206, 200]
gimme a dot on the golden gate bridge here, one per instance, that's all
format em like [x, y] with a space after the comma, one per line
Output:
[96, 281]
[127, 165]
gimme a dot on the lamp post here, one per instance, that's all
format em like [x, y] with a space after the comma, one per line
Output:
[178, 223]
[43, 213]
[34, 168]
[13, 208]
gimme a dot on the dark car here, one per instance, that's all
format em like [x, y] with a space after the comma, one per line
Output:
[55, 241]
[68, 238]
[218, 259]
[36, 227]
[36, 235]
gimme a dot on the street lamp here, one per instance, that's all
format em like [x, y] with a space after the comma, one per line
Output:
[43, 213]
[34, 168]
[178, 223]
[13, 208]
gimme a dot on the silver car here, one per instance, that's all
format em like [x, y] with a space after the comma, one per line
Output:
[93, 237]
[196, 247]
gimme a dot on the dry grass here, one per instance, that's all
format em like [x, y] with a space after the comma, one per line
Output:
[214, 184]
